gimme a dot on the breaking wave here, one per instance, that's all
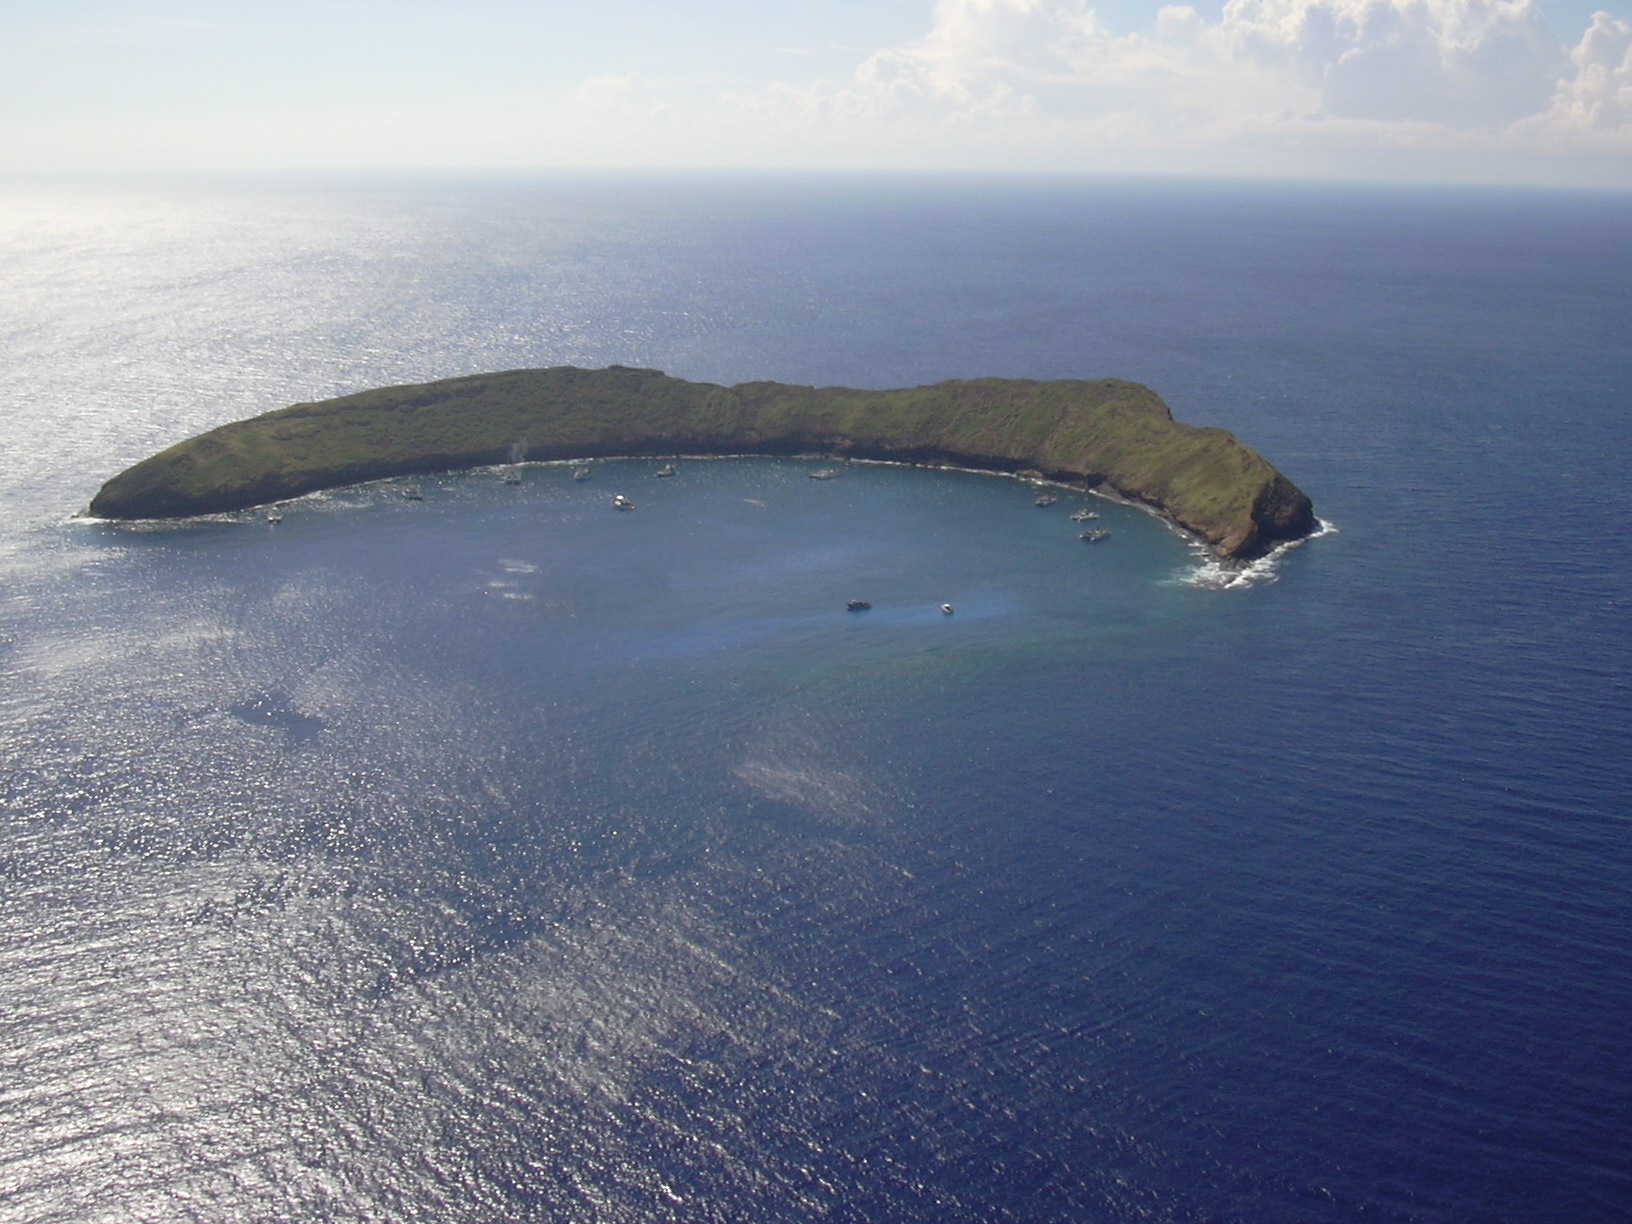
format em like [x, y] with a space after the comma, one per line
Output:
[1214, 574]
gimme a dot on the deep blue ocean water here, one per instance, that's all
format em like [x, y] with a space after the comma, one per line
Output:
[498, 856]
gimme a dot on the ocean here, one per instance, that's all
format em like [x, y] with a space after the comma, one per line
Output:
[498, 856]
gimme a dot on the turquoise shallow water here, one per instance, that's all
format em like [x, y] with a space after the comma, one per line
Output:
[499, 855]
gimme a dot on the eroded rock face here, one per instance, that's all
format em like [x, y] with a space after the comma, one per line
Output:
[1107, 432]
[1283, 512]
[1280, 512]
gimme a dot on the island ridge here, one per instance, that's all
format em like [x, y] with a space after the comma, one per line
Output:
[1103, 433]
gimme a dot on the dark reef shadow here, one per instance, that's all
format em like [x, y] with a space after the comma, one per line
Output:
[274, 709]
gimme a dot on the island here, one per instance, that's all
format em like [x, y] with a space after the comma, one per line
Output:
[1105, 434]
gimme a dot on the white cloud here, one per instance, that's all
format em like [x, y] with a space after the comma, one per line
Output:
[1597, 98]
[1463, 63]
[1028, 79]
[1435, 89]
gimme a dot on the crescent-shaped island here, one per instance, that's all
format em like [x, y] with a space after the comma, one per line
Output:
[1109, 434]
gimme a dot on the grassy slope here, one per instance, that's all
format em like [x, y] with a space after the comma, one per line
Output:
[1111, 431]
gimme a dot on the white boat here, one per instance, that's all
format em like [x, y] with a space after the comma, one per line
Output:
[1047, 499]
[583, 473]
[946, 609]
[620, 502]
[1095, 536]
[666, 470]
[274, 517]
[823, 474]
[1082, 516]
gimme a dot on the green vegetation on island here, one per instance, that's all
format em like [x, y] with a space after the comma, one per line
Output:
[1108, 433]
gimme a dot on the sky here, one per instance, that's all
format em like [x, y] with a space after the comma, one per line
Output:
[1454, 91]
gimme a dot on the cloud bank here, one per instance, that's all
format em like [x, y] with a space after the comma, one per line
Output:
[1438, 90]
[1045, 83]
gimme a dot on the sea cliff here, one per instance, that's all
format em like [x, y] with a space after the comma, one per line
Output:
[1109, 433]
